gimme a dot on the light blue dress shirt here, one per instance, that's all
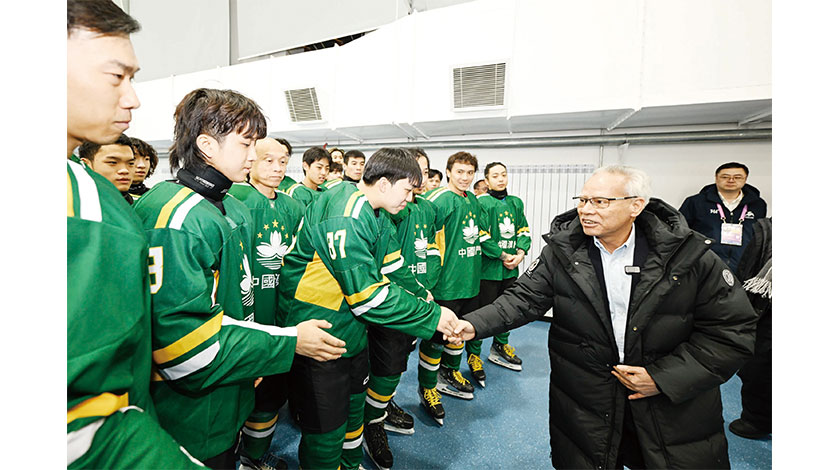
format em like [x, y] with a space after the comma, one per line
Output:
[618, 285]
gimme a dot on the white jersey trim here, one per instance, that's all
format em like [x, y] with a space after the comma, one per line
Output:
[357, 209]
[259, 434]
[183, 210]
[89, 207]
[393, 266]
[375, 302]
[79, 441]
[272, 330]
[191, 365]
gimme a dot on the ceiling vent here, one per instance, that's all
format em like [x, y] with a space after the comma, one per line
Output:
[480, 86]
[303, 105]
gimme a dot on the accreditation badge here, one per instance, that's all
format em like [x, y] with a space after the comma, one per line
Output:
[731, 234]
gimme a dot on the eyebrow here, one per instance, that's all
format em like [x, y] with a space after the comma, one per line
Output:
[128, 69]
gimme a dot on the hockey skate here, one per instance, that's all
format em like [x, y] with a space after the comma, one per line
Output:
[268, 461]
[397, 420]
[430, 399]
[477, 369]
[504, 355]
[451, 382]
[376, 445]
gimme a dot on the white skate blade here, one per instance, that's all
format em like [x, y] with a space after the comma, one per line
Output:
[364, 444]
[443, 388]
[397, 430]
[481, 382]
[501, 362]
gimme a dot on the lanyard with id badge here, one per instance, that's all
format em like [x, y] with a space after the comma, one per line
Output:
[732, 234]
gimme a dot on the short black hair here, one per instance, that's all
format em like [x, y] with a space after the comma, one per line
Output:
[335, 166]
[216, 113]
[465, 158]
[285, 143]
[491, 165]
[393, 164]
[330, 152]
[88, 149]
[475, 186]
[418, 152]
[733, 165]
[143, 149]
[314, 154]
[354, 154]
[433, 173]
[102, 16]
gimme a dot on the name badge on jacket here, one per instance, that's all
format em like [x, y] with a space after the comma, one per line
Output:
[731, 234]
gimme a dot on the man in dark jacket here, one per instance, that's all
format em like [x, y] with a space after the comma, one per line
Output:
[647, 324]
[726, 211]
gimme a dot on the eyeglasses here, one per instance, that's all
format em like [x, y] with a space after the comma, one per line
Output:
[731, 177]
[599, 202]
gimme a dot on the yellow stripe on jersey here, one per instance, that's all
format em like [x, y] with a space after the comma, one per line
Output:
[378, 397]
[428, 359]
[440, 239]
[156, 377]
[392, 257]
[365, 294]
[166, 212]
[101, 405]
[261, 426]
[70, 212]
[348, 209]
[354, 434]
[317, 286]
[190, 341]
[523, 229]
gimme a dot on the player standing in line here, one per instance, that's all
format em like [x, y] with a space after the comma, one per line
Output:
[113, 161]
[354, 166]
[207, 349]
[505, 216]
[336, 270]
[286, 181]
[389, 349]
[111, 421]
[146, 160]
[459, 233]
[335, 171]
[316, 164]
[275, 217]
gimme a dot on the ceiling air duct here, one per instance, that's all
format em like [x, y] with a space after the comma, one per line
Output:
[479, 86]
[303, 105]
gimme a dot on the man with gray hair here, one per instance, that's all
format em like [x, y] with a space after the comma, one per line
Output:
[647, 323]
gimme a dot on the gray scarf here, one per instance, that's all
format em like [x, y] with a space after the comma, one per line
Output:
[762, 283]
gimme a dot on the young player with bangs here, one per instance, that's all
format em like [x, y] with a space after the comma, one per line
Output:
[207, 349]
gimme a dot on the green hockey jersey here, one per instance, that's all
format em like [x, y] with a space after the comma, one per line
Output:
[329, 184]
[108, 331]
[275, 221]
[286, 184]
[508, 230]
[206, 348]
[303, 194]
[459, 234]
[415, 226]
[337, 271]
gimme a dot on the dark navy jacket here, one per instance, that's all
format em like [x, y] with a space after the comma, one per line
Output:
[702, 215]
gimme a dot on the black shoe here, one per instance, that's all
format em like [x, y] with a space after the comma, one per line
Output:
[504, 355]
[397, 420]
[268, 461]
[376, 445]
[451, 382]
[739, 427]
[477, 369]
[430, 399]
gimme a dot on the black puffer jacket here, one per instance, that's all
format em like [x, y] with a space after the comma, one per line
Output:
[689, 323]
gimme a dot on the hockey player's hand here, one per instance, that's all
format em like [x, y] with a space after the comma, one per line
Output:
[465, 331]
[429, 296]
[447, 322]
[314, 342]
[512, 262]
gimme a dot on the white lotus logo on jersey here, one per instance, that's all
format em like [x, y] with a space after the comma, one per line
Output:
[507, 228]
[420, 245]
[245, 286]
[271, 254]
[471, 232]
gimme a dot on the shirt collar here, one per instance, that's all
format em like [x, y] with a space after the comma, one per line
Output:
[630, 243]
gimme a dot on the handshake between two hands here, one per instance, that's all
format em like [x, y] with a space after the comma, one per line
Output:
[454, 330]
